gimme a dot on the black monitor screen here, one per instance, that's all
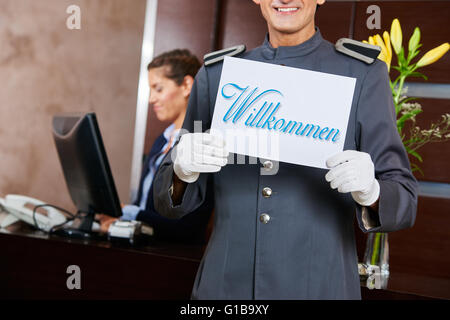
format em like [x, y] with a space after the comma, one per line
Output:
[85, 164]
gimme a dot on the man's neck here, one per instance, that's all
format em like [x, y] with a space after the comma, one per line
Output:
[278, 39]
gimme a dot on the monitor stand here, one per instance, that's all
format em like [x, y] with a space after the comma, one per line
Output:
[81, 228]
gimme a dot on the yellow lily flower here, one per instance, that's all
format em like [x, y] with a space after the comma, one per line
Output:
[379, 42]
[415, 40]
[433, 55]
[387, 43]
[396, 36]
[386, 50]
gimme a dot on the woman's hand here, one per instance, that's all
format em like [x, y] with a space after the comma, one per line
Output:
[105, 221]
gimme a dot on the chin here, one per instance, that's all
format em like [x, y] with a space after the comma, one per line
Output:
[161, 117]
[286, 27]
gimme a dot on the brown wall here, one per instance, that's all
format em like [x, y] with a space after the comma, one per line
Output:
[46, 68]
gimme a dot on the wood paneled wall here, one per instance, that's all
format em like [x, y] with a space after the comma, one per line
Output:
[419, 256]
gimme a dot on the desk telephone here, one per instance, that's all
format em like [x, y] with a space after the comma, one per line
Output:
[21, 208]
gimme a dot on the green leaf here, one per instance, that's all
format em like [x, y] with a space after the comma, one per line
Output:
[413, 55]
[391, 85]
[418, 74]
[407, 100]
[401, 58]
[406, 116]
[398, 107]
[394, 84]
[415, 154]
[415, 167]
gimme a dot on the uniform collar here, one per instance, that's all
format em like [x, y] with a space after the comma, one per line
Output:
[281, 52]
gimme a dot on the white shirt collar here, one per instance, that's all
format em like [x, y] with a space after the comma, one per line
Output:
[171, 131]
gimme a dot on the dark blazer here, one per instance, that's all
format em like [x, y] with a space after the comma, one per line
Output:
[191, 228]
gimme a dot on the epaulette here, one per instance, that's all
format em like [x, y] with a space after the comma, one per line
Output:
[358, 50]
[217, 56]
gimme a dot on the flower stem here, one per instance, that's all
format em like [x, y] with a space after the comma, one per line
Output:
[400, 88]
[376, 246]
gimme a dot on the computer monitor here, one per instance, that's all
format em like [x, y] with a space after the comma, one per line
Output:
[86, 169]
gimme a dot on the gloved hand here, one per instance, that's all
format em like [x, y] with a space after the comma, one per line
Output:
[353, 171]
[199, 152]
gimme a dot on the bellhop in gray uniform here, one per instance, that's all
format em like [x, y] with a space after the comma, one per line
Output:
[289, 235]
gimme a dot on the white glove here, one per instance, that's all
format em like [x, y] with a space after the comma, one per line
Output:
[353, 171]
[199, 152]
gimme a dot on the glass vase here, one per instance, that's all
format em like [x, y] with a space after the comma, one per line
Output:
[376, 259]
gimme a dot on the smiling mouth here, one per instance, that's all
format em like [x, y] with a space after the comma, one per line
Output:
[287, 10]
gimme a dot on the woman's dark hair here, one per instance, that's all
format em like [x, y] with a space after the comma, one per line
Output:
[179, 63]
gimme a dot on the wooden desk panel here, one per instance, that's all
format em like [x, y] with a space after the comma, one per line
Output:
[34, 266]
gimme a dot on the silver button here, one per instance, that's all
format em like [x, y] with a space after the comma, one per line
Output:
[266, 192]
[268, 165]
[264, 218]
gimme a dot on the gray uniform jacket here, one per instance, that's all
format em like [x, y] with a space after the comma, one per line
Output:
[307, 249]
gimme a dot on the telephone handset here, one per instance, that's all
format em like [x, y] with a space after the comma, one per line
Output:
[19, 206]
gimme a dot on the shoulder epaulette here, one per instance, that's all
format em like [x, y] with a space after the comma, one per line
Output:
[217, 56]
[358, 50]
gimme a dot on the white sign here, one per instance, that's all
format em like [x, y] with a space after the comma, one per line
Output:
[282, 113]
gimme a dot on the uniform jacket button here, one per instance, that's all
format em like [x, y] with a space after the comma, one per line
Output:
[266, 192]
[264, 218]
[268, 165]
